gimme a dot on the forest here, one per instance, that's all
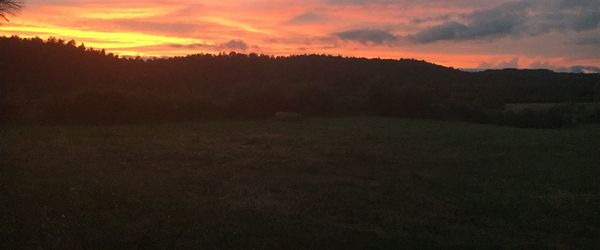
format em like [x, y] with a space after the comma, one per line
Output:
[58, 81]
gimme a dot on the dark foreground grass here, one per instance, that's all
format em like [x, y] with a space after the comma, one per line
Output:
[323, 183]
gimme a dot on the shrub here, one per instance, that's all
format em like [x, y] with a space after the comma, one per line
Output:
[560, 116]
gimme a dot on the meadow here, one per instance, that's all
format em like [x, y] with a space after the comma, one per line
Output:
[583, 107]
[355, 183]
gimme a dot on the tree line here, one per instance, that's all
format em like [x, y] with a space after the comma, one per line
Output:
[59, 81]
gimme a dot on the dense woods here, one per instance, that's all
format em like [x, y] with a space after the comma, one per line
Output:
[56, 81]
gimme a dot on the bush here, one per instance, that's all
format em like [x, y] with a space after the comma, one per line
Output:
[115, 107]
[560, 116]
[404, 101]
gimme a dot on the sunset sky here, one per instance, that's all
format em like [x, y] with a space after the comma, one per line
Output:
[554, 34]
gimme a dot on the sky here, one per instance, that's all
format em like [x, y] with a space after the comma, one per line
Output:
[562, 35]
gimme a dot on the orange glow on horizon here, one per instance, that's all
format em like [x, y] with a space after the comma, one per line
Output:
[280, 27]
[106, 40]
[129, 13]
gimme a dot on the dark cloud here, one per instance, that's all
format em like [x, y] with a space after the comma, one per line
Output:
[190, 46]
[367, 36]
[509, 64]
[446, 31]
[307, 18]
[589, 39]
[573, 69]
[359, 1]
[440, 18]
[235, 45]
[579, 69]
[521, 18]
[230, 45]
[470, 3]
[541, 65]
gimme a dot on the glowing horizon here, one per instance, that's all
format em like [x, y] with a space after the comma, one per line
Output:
[461, 34]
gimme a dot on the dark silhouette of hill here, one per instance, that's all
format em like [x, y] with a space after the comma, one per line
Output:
[59, 81]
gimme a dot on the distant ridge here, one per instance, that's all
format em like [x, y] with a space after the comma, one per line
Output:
[56, 80]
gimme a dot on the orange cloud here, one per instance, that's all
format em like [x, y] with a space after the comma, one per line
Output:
[283, 27]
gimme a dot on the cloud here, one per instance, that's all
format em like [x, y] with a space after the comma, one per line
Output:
[307, 18]
[471, 3]
[521, 18]
[542, 65]
[563, 32]
[589, 39]
[429, 19]
[572, 69]
[512, 64]
[446, 31]
[515, 62]
[367, 36]
[235, 45]
[230, 45]
[156, 27]
[579, 69]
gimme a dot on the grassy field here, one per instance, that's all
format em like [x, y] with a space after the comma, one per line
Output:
[353, 183]
[540, 106]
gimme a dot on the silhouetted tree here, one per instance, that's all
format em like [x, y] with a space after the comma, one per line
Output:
[9, 7]
[597, 92]
[57, 81]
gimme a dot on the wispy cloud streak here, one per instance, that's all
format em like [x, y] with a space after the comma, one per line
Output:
[460, 33]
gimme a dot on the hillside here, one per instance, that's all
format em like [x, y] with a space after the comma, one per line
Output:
[58, 81]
